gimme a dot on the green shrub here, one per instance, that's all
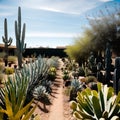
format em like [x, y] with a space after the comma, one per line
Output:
[96, 105]
[52, 73]
[81, 72]
[9, 70]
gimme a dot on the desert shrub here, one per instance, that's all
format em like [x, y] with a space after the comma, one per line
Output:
[1, 78]
[2, 54]
[52, 73]
[81, 72]
[1, 66]
[9, 70]
[90, 79]
[1, 59]
[12, 59]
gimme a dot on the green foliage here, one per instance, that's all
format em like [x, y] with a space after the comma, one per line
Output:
[102, 29]
[41, 94]
[76, 86]
[13, 97]
[81, 72]
[52, 73]
[80, 49]
[36, 73]
[65, 75]
[95, 105]
[53, 62]
[9, 70]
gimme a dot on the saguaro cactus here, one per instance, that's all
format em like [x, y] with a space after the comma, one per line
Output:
[20, 37]
[6, 41]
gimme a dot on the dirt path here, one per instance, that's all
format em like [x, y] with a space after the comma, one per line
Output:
[57, 108]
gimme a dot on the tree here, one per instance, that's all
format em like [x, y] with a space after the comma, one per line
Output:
[102, 29]
[106, 28]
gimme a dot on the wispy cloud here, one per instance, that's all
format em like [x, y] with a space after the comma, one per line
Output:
[106, 0]
[63, 6]
[6, 10]
[50, 35]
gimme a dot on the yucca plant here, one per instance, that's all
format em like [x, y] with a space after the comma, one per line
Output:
[95, 105]
[12, 100]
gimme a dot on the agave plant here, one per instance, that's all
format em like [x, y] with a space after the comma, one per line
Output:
[53, 61]
[41, 95]
[12, 100]
[95, 105]
[36, 73]
[76, 86]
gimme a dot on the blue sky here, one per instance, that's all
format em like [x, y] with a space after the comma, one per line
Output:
[49, 23]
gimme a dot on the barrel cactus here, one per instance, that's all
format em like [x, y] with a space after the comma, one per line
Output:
[95, 105]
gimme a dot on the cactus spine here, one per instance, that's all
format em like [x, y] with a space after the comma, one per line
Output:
[6, 41]
[20, 37]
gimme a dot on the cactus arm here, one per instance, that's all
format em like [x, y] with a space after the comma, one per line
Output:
[19, 22]
[5, 29]
[10, 41]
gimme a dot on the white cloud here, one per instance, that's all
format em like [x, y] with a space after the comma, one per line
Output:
[105, 0]
[50, 35]
[63, 6]
[4, 14]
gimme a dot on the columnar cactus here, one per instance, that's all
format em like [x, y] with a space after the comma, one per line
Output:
[116, 82]
[108, 64]
[20, 37]
[6, 41]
